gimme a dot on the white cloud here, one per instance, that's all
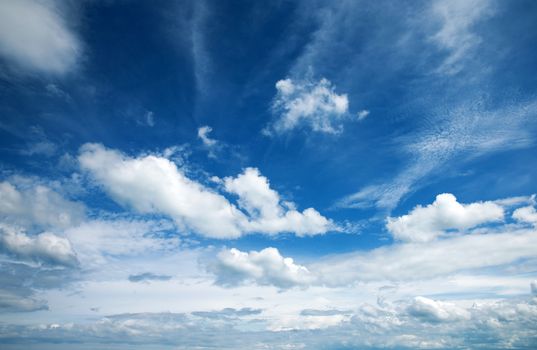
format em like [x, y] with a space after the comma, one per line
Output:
[203, 135]
[457, 18]
[487, 324]
[97, 240]
[416, 261]
[423, 224]
[34, 36]
[152, 184]
[364, 113]
[526, 214]
[213, 147]
[312, 104]
[264, 206]
[45, 247]
[266, 267]
[433, 311]
[37, 205]
[402, 262]
[464, 133]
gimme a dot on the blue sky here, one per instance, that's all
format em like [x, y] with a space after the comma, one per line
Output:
[283, 175]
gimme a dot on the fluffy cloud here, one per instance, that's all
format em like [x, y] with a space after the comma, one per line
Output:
[526, 214]
[433, 311]
[34, 36]
[152, 184]
[266, 267]
[45, 247]
[264, 207]
[423, 224]
[37, 205]
[312, 104]
[401, 262]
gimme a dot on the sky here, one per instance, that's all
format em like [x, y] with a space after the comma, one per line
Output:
[268, 174]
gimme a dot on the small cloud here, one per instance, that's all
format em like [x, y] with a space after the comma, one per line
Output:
[39, 144]
[45, 247]
[54, 90]
[148, 276]
[526, 214]
[203, 135]
[152, 184]
[424, 224]
[41, 148]
[150, 118]
[210, 144]
[265, 267]
[433, 311]
[315, 105]
[364, 113]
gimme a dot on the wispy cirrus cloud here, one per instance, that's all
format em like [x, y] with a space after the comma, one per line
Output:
[460, 135]
[455, 35]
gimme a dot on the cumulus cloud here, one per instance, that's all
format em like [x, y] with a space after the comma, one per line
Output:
[265, 208]
[423, 224]
[265, 267]
[400, 262]
[315, 105]
[526, 214]
[34, 36]
[433, 311]
[153, 184]
[45, 247]
[37, 205]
